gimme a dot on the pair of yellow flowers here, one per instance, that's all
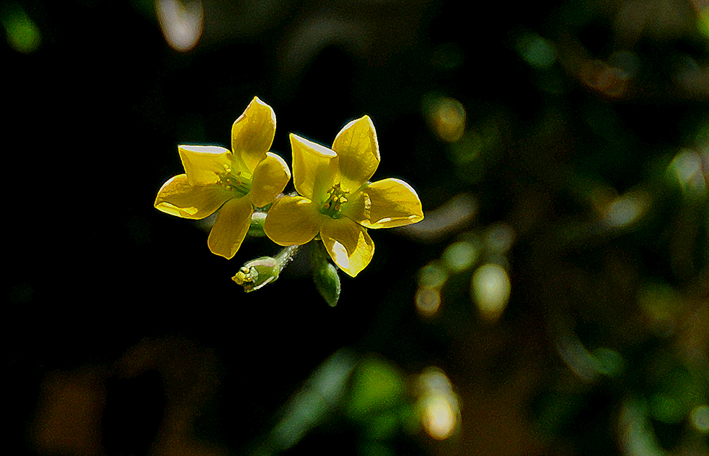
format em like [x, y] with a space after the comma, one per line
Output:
[335, 199]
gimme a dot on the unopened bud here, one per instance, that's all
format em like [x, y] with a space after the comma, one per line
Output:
[257, 273]
[260, 272]
[327, 282]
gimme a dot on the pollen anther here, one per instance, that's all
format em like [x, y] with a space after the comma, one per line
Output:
[334, 202]
[233, 181]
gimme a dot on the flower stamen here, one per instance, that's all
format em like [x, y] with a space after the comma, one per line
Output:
[233, 181]
[245, 275]
[334, 202]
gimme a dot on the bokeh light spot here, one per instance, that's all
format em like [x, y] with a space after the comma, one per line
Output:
[181, 22]
[699, 417]
[626, 209]
[428, 301]
[428, 296]
[499, 238]
[446, 116]
[432, 275]
[460, 256]
[438, 404]
[686, 167]
[439, 418]
[490, 287]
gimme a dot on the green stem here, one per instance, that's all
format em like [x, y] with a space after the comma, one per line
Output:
[286, 255]
[318, 254]
[256, 228]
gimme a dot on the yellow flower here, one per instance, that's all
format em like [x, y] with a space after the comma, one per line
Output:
[233, 182]
[336, 200]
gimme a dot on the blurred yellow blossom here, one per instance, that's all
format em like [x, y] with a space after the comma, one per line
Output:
[233, 182]
[336, 200]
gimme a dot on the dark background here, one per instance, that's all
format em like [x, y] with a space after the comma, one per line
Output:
[93, 119]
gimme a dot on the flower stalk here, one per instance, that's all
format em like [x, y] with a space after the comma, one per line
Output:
[256, 228]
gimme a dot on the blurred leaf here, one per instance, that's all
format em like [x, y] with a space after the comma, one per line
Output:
[23, 35]
[377, 386]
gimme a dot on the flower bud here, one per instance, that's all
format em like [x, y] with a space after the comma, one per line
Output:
[327, 282]
[257, 273]
[263, 270]
[325, 276]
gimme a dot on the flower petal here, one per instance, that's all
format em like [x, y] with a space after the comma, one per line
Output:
[315, 168]
[348, 244]
[177, 197]
[252, 133]
[385, 204]
[293, 220]
[230, 229]
[270, 178]
[204, 164]
[356, 145]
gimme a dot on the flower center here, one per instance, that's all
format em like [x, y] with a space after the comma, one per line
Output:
[245, 275]
[234, 181]
[334, 202]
